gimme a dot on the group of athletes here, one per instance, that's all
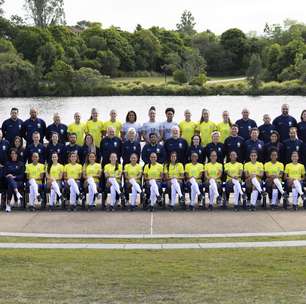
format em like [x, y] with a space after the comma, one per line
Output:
[59, 165]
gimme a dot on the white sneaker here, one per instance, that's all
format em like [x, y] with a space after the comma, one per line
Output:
[8, 208]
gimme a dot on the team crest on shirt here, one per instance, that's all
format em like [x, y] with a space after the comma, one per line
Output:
[115, 144]
[134, 148]
[238, 144]
[62, 131]
[199, 152]
[157, 150]
[297, 148]
[259, 146]
[3, 148]
[39, 150]
[58, 150]
[19, 126]
[219, 149]
[249, 127]
[180, 145]
[38, 125]
[290, 123]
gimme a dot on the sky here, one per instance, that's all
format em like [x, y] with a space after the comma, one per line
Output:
[215, 15]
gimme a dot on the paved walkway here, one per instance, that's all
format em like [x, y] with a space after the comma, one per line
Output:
[274, 244]
[158, 224]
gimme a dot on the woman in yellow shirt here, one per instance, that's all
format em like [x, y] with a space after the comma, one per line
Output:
[233, 170]
[95, 127]
[205, 128]
[254, 172]
[224, 127]
[194, 175]
[72, 176]
[213, 172]
[132, 178]
[35, 175]
[113, 122]
[294, 175]
[153, 175]
[113, 176]
[174, 175]
[187, 127]
[274, 171]
[91, 174]
[55, 172]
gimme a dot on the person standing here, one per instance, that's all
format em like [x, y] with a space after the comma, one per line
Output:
[78, 128]
[12, 127]
[245, 124]
[301, 127]
[113, 122]
[266, 129]
[166, 126]
[94, 127]
[224, 127]
[187, 127]
[57, 127]
[205, 127]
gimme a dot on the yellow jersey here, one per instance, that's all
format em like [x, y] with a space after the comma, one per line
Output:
[214, 170]
[295, 171]
[35, 171]
[274, 169]
[205, 129]
[56, 171]
[79, 130]
[93, 170]
[188, 129]
[154, 171]
[132, 171]
[95, 129]
[194, 170]
[225, 131]
[256, 168]
[233, 169]
[117, 125]
[73, 171]
[111, 171]
[174, 171]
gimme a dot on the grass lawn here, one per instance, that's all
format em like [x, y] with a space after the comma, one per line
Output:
[183, 276]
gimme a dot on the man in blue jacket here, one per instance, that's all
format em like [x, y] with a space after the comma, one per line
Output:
[266, 129]
[245, 124]
[153, 147]
[284, 122]
[12, 126]
[130, 146]
[57, 127]
[35, 147]
[234, 143]
[254, 144]
[293, 144]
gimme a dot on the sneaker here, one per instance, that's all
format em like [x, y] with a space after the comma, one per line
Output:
[132, 208]
[171, 208]
[253, 208]
[51, 208]
[191, 208]
[210, 207]
[92, 208]
[182, 201]
[38, 197]
[295, 207]
[159, 200]
[151, 209]
[32, 208]
[236, 208]
[8, 208]
[72, 208]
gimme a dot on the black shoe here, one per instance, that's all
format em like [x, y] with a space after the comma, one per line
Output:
[295, 207]
[191, 208]
[219, 201]
[151, 209]
[38, 197]
[32, 209]
[92, 208]
[123, 200]
[210, 207]
[51, 208]
[171, 208]
[273, 207]
[132, 208]
[182, 201]
[159, 200]
[253, 208]
[72, 208]
[236, 208]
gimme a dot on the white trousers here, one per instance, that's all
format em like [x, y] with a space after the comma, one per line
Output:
[74, 191]
[213, 191]
[55, 190]
[256, 184]
[154, 192]
[237, 191]
[175, 189]
[195, 190]
[33, 191]
[114, 189]
[92, 190]
[135, 189]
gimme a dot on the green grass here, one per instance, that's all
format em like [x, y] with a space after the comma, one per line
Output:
[149, 240]
[183, 276]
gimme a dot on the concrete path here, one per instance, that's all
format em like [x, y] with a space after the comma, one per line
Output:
[274, 244]
[158, 224]
[226, 80]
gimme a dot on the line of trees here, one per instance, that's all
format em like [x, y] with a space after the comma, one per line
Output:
[50, 57]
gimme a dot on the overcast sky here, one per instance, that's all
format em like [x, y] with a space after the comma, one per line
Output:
[216, 15]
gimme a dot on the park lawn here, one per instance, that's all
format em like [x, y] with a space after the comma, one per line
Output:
[179, 276]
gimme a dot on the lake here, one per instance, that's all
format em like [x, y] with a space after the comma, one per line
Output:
[67, 106]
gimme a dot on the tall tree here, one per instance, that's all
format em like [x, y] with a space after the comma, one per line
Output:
[254, 71]
[187, 23]
[46, 12]
[1, 10]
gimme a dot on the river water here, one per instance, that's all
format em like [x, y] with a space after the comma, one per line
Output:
[67, 106]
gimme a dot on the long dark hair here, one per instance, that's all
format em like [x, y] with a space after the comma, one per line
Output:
[127, 116]
[202, 119]
[92, 110]
[87, 157]
[200, 140]
[149, 164]
[50, 163]
[21, 142]
[302, 114]
[169, 162]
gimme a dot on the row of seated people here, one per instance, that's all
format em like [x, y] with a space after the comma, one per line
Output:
[249, 182]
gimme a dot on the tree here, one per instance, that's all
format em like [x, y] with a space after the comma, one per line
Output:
[187, 23]
[254, 71]
[109, 62]
[180, 76]
[1, 10]
[46, 12]
[302, 71]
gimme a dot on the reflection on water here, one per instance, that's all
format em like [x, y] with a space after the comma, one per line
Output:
[67, 106]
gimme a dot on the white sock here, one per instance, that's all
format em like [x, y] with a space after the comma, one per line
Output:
[236, 194]
[211, 195]
[256, 184]
[195, 185]
[154, 187]
[298, 186]
[133, 196]
[74, 191]
[52, 197]
[274, 197]
[113, 194]
[254, 196]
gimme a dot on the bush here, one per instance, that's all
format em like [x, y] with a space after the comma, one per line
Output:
[199, 80]
[180, 76]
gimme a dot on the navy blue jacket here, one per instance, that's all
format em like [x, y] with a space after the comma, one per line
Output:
[301, 127]
[279, 147]
[72, 148]
[200, 150]
[84, 152]
[219, 148]
[291, 146]
[30, 149]
[129, 148]
[282, 125]
[245, 127]
[148, 149]
[108, 146]
[234, 143]
[29, 126]
[265, 131]
[59, 149]
[60, 129]
[4, 151]
[15, 168]
[180, 146]
[12, 128]
[257, 145]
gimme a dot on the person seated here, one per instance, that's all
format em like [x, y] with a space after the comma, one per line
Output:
[216, 146]
[294, 176]
[233, 171]
[153, 147]
[35, 147]
[153, 175]
[72, 177]
[254, 172]
[196, 147]
[213, 173]
[174, 175]
[274, 171]
[13, 173]
[35, 173]
[194, 175]
[54, 174]
[113, 177]
[92, 173]
[132, 180]
[55, 146]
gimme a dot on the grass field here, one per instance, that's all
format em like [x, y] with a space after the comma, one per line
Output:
[183, 276]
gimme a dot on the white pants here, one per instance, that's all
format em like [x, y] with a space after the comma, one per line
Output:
[296, 191]
[114, 189]
[237, 191]
[55, 190]
[175, 189]
[154, 192]
[33, 191]
[195, 190]
[256, 184]
[74, 191]
[213, 191]
[135, 189]
[92, 190]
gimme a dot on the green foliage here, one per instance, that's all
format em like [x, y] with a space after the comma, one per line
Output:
[1, 9]
[180, 76]
[187, 23]
[109, 62]
[199, 80]
[302, 71]
[254, 72]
